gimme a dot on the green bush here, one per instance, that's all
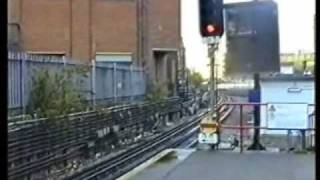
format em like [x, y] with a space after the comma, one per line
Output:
[158, 94]
[196, 79]
[55, 93]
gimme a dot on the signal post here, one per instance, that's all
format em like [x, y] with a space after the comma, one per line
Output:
[211, 29]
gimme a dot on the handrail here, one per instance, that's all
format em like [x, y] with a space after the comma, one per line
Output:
[266, 128]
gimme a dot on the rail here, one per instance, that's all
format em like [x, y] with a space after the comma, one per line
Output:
[113, 165]
[36, 145]
[305, 134]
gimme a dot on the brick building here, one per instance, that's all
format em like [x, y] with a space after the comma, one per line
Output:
[141, 32]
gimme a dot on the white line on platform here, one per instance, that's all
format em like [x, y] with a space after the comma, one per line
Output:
[144, 165]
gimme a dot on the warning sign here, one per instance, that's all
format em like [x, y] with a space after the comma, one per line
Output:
[283, 115]
[271, 110]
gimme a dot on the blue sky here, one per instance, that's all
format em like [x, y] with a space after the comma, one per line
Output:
[295, 28]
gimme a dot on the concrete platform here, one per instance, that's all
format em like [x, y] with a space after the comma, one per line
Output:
[227, 165]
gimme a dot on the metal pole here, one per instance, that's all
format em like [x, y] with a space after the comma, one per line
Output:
[132, 90]
[93, 83]
[256, 136]
[22, 82]
[303, 139]
[212, 60]
[216, 87]
[241, 134]
[114, 82]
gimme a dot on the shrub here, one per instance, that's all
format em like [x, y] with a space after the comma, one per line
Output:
[55, 93]
[158, 94]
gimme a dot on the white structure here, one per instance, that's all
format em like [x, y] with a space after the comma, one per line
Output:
[290, 101]
[286, 69]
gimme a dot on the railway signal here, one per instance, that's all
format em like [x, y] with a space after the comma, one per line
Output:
[209, 133]
[211, 29]
[211, 18]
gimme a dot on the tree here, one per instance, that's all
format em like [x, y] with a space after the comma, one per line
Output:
[195, 78]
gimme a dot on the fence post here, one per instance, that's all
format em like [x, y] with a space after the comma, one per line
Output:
[64, 61]
[131, 84]
[303, 139]
[93, 83]
[114, 82]
[241, 132]
[22, 81]
[289, 143]
[144, 77]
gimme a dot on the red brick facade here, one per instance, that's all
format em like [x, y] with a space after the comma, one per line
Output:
[81, 28]
[165, 23]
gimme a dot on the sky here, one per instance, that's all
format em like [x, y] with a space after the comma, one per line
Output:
[293, 15]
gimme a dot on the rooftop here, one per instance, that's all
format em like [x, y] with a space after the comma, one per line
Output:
[287, 77]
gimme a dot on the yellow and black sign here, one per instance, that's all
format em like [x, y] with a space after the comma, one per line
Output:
[209, 127]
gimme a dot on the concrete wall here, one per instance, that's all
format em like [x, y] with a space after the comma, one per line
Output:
[165, 70]
[14, 19]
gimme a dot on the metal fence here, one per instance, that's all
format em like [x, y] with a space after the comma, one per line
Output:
[110, 83]
[274, 135]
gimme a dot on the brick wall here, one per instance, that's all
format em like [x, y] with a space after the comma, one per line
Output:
[79, 28]
[45, 25]
[115, 26]
[165, 23]
[164, 31]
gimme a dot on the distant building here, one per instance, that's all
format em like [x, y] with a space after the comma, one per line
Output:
[286, 57]
[287, 67]
[141, 32]
[252, 38]
[299, 63]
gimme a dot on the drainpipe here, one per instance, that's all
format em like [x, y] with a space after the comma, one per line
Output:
[90, 31]
[70, 28]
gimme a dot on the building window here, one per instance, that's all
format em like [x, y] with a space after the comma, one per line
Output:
[48, 55]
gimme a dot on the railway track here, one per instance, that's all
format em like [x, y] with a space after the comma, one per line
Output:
[35, 145]
[119, 165]
[115, 167]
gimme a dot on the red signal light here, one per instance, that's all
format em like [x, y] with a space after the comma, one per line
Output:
[213, 30]
[210, 28]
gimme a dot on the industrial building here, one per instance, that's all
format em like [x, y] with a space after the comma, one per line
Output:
[139, 32]
[252, 43]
